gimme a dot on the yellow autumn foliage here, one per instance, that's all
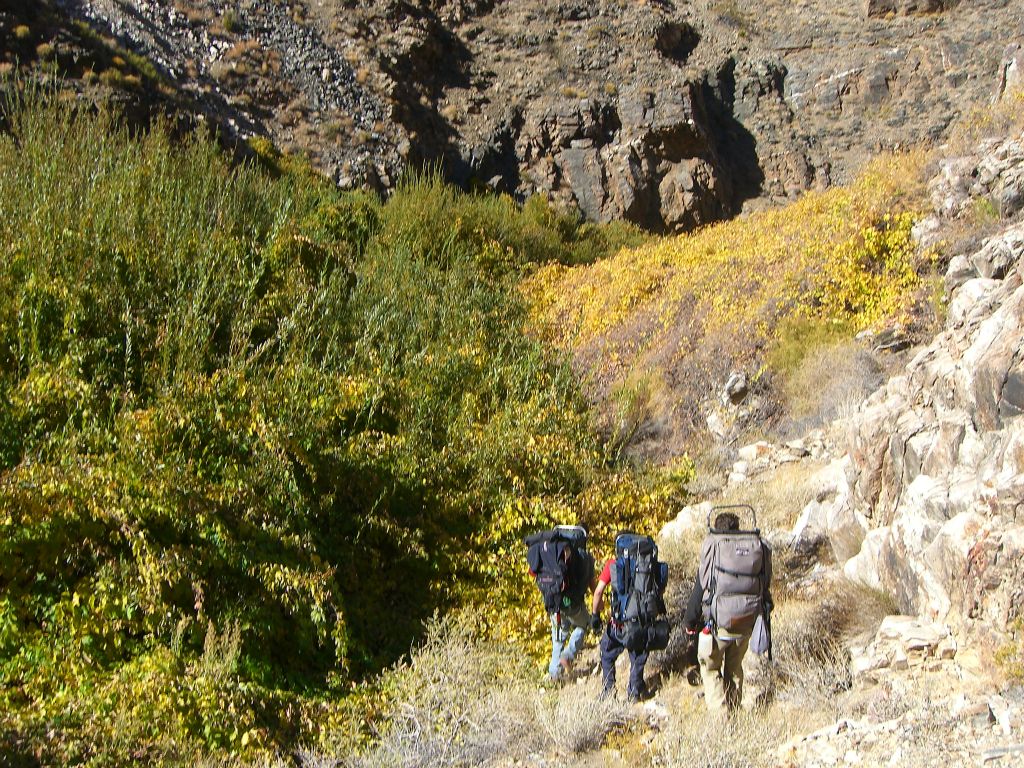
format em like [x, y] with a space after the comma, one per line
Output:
[844, 254]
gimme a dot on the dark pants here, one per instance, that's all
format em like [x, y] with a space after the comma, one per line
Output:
[611, 649]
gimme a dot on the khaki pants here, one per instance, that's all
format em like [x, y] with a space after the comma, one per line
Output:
[721, 666]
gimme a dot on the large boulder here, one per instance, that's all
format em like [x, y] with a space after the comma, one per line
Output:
[690, 521]
[650, 157]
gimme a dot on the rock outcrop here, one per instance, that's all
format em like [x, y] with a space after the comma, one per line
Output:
[923, 700]
[923, 498]
[1011, 71]
[670, 115]
[936, 473]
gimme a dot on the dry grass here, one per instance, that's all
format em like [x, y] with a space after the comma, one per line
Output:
[991, 121]
[576, 719]
[464, 701]
[688, 741]
[682, 554]
[195, 14]
[779, 496]
[241, 49]
[457, 701]
[810, 638]
[831, 381]
[804, 689]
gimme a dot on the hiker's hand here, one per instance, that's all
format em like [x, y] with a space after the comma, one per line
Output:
[595, 622]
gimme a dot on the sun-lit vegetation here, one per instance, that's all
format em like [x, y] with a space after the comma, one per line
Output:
[254, 432]
[689, 309]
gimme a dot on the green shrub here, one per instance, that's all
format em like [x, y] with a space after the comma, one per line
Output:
[252, 429]
[231, 21]
[436, 222]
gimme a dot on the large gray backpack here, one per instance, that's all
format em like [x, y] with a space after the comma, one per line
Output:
[735, 574]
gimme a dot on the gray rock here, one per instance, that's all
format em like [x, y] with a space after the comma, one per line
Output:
[688, 194]
[812, 525]
[1011, 71]
[690, 519]
[585, 175]
[960, 270]
[736, 388]
[846, 530]
[999, 254]
[904, 7]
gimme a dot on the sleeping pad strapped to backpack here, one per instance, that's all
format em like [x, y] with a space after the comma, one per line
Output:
[562, 567]
[638, 583]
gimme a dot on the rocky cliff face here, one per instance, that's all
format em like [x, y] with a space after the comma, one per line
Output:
[922, 494]
[669, 114]
[936, 461]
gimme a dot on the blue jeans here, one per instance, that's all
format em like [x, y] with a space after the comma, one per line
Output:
[568, 624]
[611, 648]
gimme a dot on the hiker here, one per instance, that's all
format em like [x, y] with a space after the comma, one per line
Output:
[638, 582]
[563, 570]
[729, 603]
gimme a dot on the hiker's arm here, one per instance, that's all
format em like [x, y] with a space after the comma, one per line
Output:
[595, 605]
[694, 615]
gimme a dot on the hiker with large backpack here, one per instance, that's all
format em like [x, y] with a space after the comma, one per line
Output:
[730, 603]
[636, 625]
[563, 570]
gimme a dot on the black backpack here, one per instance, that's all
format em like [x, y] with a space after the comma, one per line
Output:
[638, 585]
[561, 564]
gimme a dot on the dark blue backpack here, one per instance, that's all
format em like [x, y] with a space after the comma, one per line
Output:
[638, 585]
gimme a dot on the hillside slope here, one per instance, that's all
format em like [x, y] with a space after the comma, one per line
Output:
[915, 495]
[668, 114]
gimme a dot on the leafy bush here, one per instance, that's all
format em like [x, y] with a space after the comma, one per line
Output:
[493, 231]
[255, 431]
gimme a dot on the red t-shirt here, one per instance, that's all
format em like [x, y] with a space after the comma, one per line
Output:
[606, 572]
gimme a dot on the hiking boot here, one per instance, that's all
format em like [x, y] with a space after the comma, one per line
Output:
[693, 676]
[564, 667]
[640, 694]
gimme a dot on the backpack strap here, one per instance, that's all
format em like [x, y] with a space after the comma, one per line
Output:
[623, 578]
[766, 578]
[727, 572]
[709, 593]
